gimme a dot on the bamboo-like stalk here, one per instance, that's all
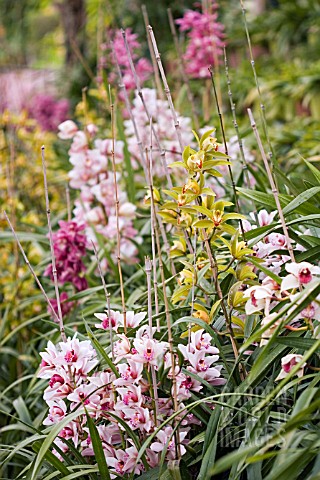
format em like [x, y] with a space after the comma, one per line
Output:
[53, 258]
[214, 268]
[107, 295]
[170, 339]
[226, 150]
[128, 107]
[252, 62]
[172, 110]
[140, 93]
[33, 273]
[166, 86]
[148, 268]
[153, 58]
[150, 183]
[153, 243]
[272, 184]
[182, 69]
[193, 285]
[117, 205]
[236, 127]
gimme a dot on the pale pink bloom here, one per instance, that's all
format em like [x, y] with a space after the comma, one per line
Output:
[122, 348]
[143, 332]
[277, 240]
[259, 298]
[115, 319]
[103, 385]
[185, 384]
[133, 320]
[110, 434]
[152, 458]
[105, 147]
[130, 396]
[264, 218]
[48, 366]
[269, 332]
[130, 372]
[200, 362]
[149, 351]
[84, 394]
[166, 439]
[77, 354]
[199, 341]
[62, 446]
[70, 432]
[287, 363]
[299, 274]
[127, 209]
[59, 386]
[92, 129]
[124, 461]
[57, 411]
[79, 143]
[67, 130]
[138, 417]
[212, 375]
[311, 312]
[107, 441]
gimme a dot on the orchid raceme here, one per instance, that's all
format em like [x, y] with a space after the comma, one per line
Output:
[75, 378]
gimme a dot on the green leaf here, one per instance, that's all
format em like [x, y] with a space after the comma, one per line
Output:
[98, 449]
[53, 433]
[210, 444]
[203, 224]
[296, 342]
[300, 199]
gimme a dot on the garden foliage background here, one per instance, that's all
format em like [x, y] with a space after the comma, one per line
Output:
[205, 363]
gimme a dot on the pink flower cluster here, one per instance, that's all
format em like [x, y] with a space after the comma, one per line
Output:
[69, 244]
[142, 65]
[205, 40]
[127, 393]
[92, 174]
[271, 243]
[164, 127]
[263, 297]
[48, 111]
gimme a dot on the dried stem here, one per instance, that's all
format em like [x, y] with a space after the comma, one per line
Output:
[53, 258]
[226, 150]
[166, 86]
[153, 58]
[117, 214]
[150, 183]
[172, 110]
[193, 285]
[252, 62]
[128, 107]
[140, 93]
[272, 184]
[182, 69]
[33, 273]
[153, 372]
[170, 337]
[107, 295]
[234, 120]
[214, 268]
[153, 243]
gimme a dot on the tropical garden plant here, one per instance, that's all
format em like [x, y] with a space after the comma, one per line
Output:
[165, 321]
